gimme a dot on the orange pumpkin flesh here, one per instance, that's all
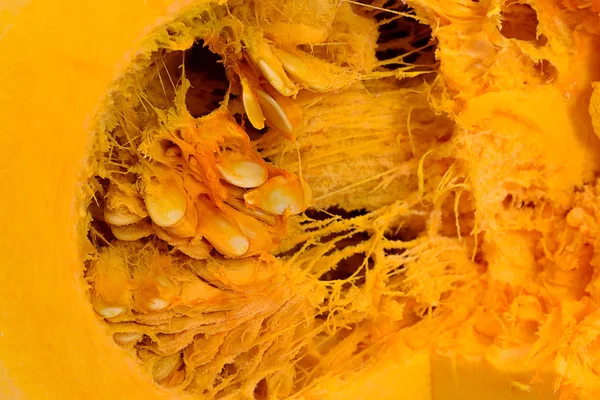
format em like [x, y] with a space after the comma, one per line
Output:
[51, 342]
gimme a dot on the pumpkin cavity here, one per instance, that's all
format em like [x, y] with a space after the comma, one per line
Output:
[403, 40]
[520, 21]
[282, 189]
[206, 73]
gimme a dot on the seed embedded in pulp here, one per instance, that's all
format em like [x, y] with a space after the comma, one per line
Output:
[223, 234]
[166, 204]
[127, 337]
[241, 171]
[251, 106]
[276, 78]
[274, 114]
[157, 304]
[110, 312]
[262, 55]
[196, 247]
[281, 194]
[301, 67]
[133, 232]
[186, 227]
[122, 208]
[121, 216]
[165, 366]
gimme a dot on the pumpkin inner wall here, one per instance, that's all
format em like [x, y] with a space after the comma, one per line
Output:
[422, 207]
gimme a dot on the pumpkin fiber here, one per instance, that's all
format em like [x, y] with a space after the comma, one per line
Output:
[300, 199]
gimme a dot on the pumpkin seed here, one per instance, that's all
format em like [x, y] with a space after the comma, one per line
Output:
[130, 233]
[241, 171]
[166, 204]
[226, 237]
[274, 114]
[251, 106]
[280, 194]
[110, 312]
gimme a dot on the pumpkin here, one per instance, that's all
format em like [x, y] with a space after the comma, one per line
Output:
[300, 199]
